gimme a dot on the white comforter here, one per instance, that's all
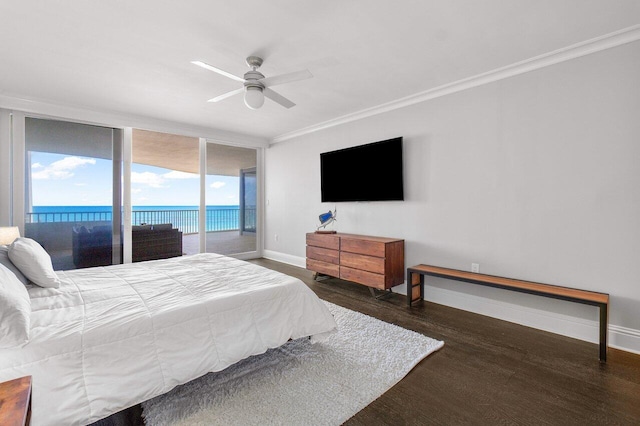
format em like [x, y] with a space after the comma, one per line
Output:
[112, 337]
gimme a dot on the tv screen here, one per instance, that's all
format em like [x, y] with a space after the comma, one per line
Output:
[371, 172]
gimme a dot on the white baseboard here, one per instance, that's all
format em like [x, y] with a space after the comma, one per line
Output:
[298, 261]
[623, 338]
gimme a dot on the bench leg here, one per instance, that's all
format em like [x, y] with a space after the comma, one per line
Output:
[415, 287]
[604, 313]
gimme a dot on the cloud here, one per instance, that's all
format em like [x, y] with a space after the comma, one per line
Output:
[217, 184]
[136, 190]
[154, 180]
[61, 169]
[174, 174]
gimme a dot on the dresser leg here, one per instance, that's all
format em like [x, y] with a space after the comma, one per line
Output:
[317, 276]
[380, 296]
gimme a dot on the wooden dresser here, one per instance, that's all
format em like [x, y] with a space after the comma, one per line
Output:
[376, 262]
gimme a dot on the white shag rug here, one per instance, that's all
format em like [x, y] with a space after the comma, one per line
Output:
[300, 383]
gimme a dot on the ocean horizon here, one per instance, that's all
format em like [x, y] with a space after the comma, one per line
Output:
[185, 218]
[69, 209]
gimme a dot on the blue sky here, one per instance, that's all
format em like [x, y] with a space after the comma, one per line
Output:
[66, 180]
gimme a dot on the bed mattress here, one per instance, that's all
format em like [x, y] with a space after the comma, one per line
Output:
[111, 337]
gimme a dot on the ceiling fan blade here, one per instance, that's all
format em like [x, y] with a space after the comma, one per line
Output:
[286, 78]
[218, 70]
[277, 98]
[226, 95]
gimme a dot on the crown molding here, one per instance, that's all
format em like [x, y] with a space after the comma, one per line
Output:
[44, 109]
[604, 42]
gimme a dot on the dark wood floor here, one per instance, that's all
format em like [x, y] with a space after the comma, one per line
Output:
[488, 372]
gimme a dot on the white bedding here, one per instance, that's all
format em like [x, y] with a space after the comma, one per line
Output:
[111, 337]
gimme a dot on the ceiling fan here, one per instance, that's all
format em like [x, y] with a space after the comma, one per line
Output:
[255, 85]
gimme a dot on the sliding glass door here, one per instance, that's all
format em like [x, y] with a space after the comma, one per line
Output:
[165, 195]
[248, 201]
[73, 192]
[231, 199]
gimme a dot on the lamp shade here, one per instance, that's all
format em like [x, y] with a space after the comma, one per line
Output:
[253, 97]
[8, 234]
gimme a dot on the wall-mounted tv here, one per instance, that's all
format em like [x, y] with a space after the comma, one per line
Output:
[371, 172]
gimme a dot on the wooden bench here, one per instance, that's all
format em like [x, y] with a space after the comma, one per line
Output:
[415, 291]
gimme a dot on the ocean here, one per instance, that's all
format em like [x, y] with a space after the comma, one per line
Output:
[185, 218]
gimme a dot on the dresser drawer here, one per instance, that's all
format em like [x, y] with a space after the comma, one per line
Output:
[330, 241]
[323, 254]
[361, 261]
[360, 246]
[362, 277]
[323, 267]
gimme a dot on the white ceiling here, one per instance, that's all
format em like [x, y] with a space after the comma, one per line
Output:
[133, 57]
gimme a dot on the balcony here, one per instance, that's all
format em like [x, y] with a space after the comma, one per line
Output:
[227, 231]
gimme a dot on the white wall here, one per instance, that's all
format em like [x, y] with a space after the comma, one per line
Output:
[534, 177]
[5, 169]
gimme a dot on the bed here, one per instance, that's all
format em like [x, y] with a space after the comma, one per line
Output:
[111, 337]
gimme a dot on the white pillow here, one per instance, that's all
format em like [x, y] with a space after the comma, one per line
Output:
[4, 260]
[15, 310]
[34, 262]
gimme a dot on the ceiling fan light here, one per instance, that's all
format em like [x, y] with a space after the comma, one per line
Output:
[253, 97]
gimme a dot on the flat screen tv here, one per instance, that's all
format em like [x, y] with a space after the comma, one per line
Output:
[371, 172]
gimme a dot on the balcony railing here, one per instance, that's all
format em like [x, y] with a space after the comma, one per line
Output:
[186, 220]
[46, 217]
